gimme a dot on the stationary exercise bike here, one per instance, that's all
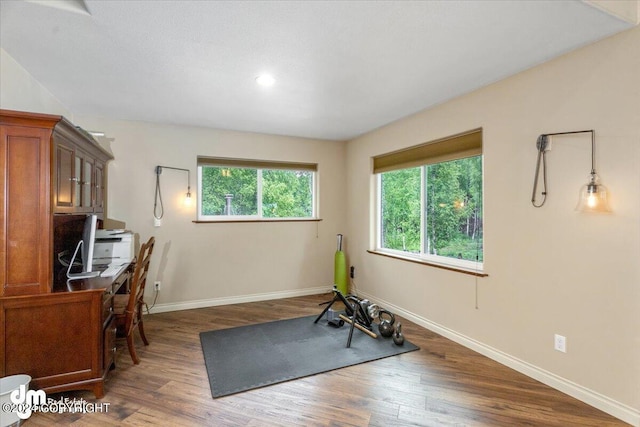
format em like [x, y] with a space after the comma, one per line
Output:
[359, 313]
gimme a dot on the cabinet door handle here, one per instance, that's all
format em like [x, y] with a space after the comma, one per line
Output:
[74, 179]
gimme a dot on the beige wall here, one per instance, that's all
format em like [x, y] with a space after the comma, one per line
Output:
[551, 270]
[216, 263]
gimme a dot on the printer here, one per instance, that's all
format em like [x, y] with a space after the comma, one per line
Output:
[113, 247]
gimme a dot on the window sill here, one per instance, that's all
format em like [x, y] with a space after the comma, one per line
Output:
[216, 221]
[430, 264]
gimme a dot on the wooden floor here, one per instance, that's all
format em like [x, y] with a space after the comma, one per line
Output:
[443, 384]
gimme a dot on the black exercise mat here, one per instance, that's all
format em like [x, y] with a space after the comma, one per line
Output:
[247, 357]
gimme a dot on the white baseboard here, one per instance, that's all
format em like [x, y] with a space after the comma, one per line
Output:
[187, 305]
[590, 397]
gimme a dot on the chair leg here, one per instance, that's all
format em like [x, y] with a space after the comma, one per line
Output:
[141, 329]
[132, 349]
[139, 323]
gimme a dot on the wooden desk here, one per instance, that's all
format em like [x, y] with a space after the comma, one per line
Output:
[65, 340]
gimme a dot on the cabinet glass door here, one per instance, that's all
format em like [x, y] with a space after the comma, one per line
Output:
[77, 178]
[87, 184]
[64, 176]
[99, 186]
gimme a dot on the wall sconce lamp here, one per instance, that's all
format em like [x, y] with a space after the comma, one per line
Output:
[159, 213]
[593, 195]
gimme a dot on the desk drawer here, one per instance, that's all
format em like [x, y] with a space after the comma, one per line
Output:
[107, 306]
[121, 284]
[108, 357]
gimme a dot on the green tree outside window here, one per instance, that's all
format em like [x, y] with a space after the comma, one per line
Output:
[280, 193]
[450, 193]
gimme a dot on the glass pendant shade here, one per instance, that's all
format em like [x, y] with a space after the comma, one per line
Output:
[593, 197]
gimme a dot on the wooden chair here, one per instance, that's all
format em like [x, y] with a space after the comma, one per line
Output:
[128, 307]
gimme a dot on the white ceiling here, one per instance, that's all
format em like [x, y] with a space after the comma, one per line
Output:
[342, 67]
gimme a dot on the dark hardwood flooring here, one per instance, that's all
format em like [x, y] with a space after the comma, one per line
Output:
[443, 384]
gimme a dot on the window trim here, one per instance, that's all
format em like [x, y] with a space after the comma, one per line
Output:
[403, 257]
[259, 165]
[219, 221]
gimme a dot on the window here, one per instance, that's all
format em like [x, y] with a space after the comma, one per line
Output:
[430, 201]
[249, 189]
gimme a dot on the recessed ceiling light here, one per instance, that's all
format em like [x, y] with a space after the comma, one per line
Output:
[265, 80]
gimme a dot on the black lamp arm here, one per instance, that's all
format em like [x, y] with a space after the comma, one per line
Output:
[593, 144]
[159, 171]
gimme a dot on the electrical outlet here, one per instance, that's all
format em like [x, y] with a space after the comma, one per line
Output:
[560, 343]
[352, 272]
[156, 285]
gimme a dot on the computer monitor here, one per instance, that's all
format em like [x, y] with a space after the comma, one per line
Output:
[87, 243]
